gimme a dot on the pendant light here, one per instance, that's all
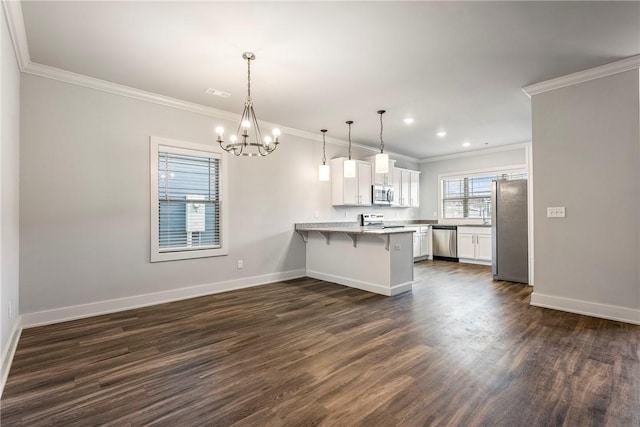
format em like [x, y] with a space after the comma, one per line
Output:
[382, 159]
[323, 170]
[260, 146]
[349, 165]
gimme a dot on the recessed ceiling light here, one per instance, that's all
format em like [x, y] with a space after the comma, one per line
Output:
[466, 144]
[441, 134]
[408, 120]
[216, 92]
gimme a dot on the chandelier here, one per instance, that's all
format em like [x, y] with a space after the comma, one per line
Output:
[246, 146]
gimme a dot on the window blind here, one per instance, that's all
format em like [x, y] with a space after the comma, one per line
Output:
[188, 202]
[470, 196]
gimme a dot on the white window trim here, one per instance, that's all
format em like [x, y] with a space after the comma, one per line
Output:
[155, 144]
[473, 172]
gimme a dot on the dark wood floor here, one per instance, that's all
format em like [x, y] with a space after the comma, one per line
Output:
[459, 350]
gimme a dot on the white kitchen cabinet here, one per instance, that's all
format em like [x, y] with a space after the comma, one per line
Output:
[364, 182]
[350, 191]
[406, 187]
[421, 242]
[396, 187]
[466, 245]
[425, 241]
[416, 245]
[474, 245]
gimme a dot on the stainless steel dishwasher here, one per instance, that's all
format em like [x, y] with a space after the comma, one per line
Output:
[445, 242]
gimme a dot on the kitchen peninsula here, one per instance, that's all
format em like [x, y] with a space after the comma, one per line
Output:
[377, 260]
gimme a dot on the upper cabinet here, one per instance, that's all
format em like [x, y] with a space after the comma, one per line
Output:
[406, 188]
[351, 191]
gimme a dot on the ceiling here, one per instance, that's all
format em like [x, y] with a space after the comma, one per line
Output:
[453, 66]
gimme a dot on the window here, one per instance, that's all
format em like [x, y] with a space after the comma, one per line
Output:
[468, 196]
[188, 213]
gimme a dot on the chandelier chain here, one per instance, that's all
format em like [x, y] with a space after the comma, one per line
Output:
[249, 79]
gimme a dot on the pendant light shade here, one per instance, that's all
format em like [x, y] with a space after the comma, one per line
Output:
[382, 163]
[349, 168]
[350, 165]
[382, 159]
[323, 172]
[323, 169]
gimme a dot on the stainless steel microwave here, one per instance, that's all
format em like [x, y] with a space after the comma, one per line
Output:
[382, 195]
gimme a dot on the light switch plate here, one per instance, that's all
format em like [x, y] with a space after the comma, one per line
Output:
[556, 212]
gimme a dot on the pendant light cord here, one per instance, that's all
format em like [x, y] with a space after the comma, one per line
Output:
[381, 112]
[349, 123]
[324, 147]
[381, 141]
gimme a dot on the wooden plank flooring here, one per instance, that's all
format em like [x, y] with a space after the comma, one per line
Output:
[460, 350]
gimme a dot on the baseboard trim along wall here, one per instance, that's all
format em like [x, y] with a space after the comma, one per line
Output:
[604, 311]
[9, 352]
[63, 314]
[359, 284]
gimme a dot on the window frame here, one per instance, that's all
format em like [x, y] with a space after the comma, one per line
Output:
[157, 144]
[472, 173]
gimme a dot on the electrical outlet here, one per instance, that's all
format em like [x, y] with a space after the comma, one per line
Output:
[316, 214]
[396, 247]
[10, 311]
[240, 264]
[556, 212]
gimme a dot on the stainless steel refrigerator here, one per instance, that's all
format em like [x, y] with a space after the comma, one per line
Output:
[510, 230]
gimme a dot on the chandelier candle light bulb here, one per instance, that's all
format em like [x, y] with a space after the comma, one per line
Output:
[259, 146]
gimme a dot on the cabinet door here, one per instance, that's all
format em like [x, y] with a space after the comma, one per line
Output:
[466, 246]
[350, 189]
[483, 247]
[425, 244]
[364, 183]
[405, 185]
[414, 189]
[416, 245]
[397, 187]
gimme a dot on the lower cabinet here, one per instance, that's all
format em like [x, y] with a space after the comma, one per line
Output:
[474, 245]
[421, 242]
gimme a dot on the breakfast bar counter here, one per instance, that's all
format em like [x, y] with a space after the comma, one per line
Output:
[377, 260]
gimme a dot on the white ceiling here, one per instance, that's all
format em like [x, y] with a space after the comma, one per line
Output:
[457, 66]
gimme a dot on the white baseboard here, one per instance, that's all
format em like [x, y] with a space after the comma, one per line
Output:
[362, 285]
[604, 311]
[9, 352]
[63, 314]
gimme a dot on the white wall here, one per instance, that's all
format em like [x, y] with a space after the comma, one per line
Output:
[9, 184]
[586, 157]
[85, 205]
[429, 184]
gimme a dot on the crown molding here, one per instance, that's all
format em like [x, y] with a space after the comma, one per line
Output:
[130, 92]
[626, 64]
[15, 23]
[474, 153]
